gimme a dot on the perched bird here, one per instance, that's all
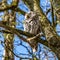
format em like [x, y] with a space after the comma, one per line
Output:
[32, 25]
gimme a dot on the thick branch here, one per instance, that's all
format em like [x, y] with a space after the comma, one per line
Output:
[13, 6]
[50, 33]
[29, 3]
[20, 32]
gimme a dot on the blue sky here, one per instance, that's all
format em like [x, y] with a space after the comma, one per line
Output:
[18, 48]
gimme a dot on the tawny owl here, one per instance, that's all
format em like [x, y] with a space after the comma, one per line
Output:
[32, 25]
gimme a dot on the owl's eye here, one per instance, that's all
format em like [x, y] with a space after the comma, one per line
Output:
[28, 16]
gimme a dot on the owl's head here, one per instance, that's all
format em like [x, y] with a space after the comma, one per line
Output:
[30, 15]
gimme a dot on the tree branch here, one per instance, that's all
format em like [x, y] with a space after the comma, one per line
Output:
[13, 6]
[20, 32]
[29, 3]
[50, 33]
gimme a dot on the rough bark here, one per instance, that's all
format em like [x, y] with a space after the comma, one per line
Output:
[50, 33]
[10, 19]
[51, 36]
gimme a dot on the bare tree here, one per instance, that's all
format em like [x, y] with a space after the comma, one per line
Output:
[52, 39]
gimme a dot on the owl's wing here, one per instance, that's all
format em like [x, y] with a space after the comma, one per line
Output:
[26, 26]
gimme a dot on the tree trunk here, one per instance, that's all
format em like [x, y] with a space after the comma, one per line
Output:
[10, 20]
[50, 34]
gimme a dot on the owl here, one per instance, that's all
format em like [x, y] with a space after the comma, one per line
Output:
[32, 25]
